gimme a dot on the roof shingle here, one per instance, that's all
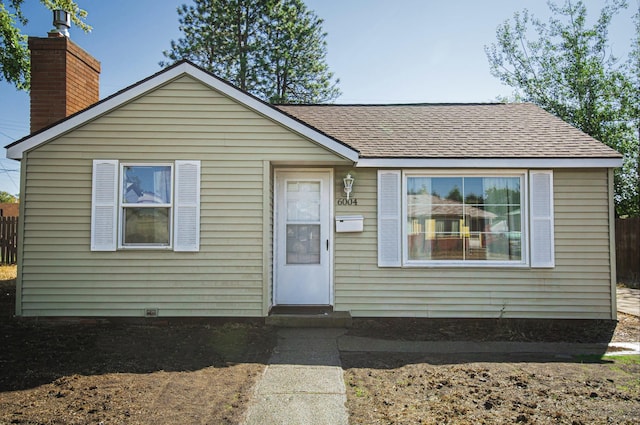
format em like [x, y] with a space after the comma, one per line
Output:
[514, 130]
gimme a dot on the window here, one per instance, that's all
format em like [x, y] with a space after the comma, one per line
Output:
[145, 205]
[463, 218]
[467, 218]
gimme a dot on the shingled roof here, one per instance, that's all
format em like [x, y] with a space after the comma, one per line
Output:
[515, 130]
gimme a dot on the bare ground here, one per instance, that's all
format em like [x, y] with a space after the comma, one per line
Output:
[410, 389]
[154, 372]
[135, 373]
[397, 388]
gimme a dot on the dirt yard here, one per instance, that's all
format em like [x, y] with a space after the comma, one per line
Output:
[202, 373]
[127, 373]
[488, 389]
[410, 389]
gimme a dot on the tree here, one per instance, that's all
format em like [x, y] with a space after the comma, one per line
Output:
[454, 194]
[14, 52]
[7, 198]
[630, 199]
[274, 49]
[296, 56]
[569, 71]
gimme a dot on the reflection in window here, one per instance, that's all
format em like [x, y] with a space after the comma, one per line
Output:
[303, 201]
[146, 226]
[303, 244]
[464, 218]
[146, 184]
[146, 205]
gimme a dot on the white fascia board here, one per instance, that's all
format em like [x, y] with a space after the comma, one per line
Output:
[489, 163]
[16, 151]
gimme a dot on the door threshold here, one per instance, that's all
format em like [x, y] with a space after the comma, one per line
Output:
[301, 309]
[312, 317]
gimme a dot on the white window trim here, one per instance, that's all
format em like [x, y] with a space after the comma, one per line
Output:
[122, 205]
[524, 205]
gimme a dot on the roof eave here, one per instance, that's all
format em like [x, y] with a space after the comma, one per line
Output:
[17, 149]
[593, 162]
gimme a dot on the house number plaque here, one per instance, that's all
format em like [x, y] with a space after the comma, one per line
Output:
[345, 201]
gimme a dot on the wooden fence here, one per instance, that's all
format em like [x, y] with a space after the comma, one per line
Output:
[628, 249]
[8, 240]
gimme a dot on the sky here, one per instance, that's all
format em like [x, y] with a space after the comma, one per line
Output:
[383, 51]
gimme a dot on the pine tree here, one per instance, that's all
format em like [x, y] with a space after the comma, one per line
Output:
[274, 49]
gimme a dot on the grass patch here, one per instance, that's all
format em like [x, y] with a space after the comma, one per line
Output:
[631, 359]
[8, 272]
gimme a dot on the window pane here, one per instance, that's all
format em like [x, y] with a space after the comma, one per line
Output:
[146, 226]
[303, 244]
[464, 218]
[449, 188]
[473, 190]
[144, 184]
[303, 201]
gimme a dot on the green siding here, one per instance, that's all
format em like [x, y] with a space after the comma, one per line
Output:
[232, 273]
[578, 287]
[60, 276]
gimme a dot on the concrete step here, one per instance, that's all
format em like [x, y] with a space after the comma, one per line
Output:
[334, 319]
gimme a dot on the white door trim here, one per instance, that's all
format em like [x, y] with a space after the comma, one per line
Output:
[278, 172]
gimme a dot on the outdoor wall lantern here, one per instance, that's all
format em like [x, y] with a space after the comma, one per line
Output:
[348, 184]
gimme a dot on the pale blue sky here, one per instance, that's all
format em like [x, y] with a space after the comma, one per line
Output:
[383, 51]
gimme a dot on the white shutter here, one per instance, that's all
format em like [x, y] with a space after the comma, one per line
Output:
[186, 232]
[389, 219]
[541, 206]
[104, 205]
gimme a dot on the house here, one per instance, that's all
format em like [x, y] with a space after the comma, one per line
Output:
[185, 196]
[9, 209]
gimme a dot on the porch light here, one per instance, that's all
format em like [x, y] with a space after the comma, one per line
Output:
[348, 184]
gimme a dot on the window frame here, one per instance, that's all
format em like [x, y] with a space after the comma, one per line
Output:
[122, 206]
[524, 207]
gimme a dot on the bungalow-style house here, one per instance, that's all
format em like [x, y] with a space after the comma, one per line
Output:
[185, 196]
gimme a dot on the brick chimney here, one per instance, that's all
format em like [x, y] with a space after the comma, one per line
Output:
[64, 79]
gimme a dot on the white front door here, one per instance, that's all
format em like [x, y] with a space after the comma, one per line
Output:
[302, 271]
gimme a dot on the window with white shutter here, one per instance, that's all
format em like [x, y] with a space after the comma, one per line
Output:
[389, 218]
[541, 206]
[144, 205]
[465, 218]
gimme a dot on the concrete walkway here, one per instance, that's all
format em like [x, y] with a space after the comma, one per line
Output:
[629, 301]
[303, 383]
[556, 349]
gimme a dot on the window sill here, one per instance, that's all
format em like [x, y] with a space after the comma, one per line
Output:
[145, 247]
[466, 264]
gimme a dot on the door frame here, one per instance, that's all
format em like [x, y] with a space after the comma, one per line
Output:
[278, 172]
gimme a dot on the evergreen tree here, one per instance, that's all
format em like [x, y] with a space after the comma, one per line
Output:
[274, 49]
[295, 64]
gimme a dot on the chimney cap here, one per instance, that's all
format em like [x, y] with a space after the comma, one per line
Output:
[61, 22]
